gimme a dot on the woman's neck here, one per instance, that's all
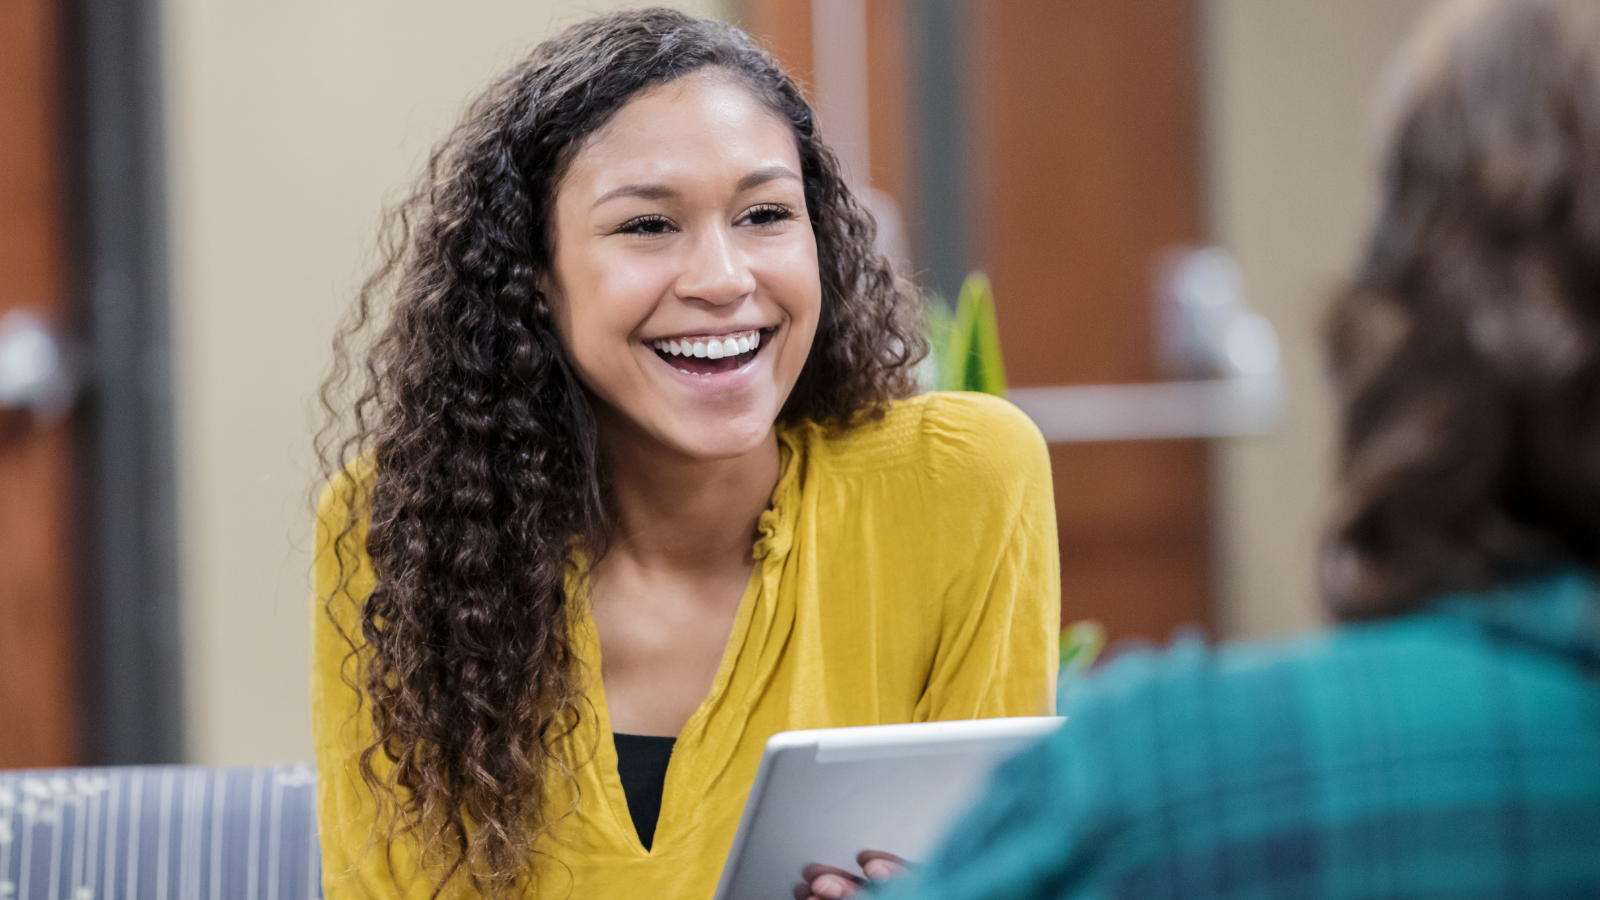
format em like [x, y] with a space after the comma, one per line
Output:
[688, 515]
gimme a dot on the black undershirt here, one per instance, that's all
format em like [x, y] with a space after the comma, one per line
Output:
[642, 764]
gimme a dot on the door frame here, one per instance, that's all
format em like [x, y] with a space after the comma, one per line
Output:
[130, 612]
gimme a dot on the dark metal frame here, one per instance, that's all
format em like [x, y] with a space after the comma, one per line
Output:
[940, 45]
[129, 611]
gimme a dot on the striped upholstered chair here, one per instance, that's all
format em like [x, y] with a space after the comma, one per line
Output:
[159, 833]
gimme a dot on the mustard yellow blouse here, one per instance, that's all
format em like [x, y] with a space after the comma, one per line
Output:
[907, 572]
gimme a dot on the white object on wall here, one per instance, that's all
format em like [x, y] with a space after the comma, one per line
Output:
[1226, 352]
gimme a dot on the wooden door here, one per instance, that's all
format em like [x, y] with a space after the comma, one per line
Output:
[1082, 148]
[38, 702]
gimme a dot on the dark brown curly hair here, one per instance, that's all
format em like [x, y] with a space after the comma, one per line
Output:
[1466, 353]
[486, 472]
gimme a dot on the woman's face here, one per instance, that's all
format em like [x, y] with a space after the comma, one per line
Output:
[685, 282]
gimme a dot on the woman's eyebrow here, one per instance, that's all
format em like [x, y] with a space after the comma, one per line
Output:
[657, 191]
[765, 174]
[642, 191]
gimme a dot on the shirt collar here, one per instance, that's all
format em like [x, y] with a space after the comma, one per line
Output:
[1557, 612]
[775, 528]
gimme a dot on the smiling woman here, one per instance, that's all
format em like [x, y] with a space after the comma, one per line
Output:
[625, 476]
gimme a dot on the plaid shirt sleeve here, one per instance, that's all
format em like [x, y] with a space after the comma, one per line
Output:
[1422, 757]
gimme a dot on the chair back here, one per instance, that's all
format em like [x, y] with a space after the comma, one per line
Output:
[160, 833]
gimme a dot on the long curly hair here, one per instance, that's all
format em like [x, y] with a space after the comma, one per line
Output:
[1466, 352]
[479, 468]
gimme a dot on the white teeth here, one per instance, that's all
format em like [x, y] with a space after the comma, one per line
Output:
[712, 348]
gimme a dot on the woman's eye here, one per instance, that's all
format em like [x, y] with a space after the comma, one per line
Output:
[646, 225]
[769, 215]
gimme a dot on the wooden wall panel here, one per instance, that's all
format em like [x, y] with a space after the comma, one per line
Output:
[784, 28]
[1134, 521]
[1087, 168]
[1088, 148]
[38, 700]
[889, 100]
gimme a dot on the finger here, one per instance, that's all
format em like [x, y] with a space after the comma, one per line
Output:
[883, 870]
[834, 887]
[816, 870]
[880, 865]
[802, 891]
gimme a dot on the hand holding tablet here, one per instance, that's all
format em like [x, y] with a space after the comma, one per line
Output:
[822, 797]
[824, 882]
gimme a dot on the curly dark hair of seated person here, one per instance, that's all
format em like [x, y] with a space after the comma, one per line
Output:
[1466, 352]
[453, 396]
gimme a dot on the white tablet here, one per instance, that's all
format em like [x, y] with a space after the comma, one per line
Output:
[825, 795]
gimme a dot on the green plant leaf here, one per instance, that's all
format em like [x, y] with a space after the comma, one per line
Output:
[1081, 642]
[974, 343]
[966, 341]
[986, 340]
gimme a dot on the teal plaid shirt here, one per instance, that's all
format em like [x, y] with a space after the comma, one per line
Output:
[1450, 753]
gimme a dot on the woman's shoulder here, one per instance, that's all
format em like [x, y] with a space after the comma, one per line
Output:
[981, 426]
[945, 437]
[940, 420]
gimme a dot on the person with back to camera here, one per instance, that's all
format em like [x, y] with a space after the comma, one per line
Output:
[630, 478]
[1444, 741]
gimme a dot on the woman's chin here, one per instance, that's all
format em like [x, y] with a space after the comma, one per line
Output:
[723, 448]
[718, 438]
[667, 428]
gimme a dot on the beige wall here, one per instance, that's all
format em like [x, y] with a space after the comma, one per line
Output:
[1289, 90]
[289, 124]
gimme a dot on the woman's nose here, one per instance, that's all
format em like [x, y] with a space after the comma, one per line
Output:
[716, 270]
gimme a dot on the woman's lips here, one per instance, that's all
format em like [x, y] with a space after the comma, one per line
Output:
[712, 354]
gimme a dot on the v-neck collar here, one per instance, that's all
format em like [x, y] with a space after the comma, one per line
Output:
[774, 536]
